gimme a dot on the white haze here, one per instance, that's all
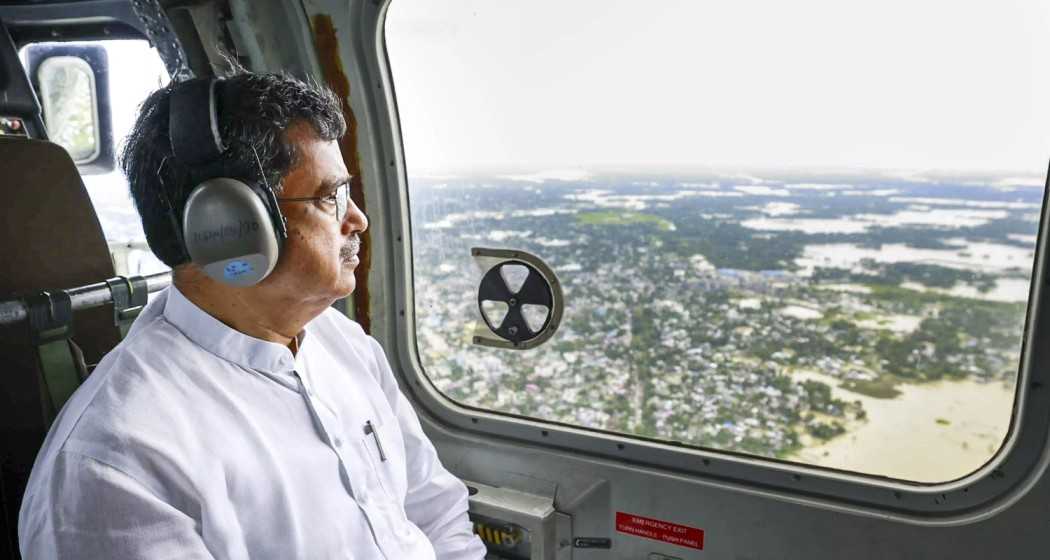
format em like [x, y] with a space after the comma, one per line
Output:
[945, 85]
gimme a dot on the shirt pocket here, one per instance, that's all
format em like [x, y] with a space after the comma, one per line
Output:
[385, 450]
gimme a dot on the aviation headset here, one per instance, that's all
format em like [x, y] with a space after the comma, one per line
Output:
[230, 227]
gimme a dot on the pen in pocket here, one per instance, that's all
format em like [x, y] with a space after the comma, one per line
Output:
[370, 429]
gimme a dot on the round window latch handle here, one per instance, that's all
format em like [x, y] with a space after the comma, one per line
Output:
[521, 325]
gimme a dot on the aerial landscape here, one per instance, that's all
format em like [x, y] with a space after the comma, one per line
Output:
[861, 322]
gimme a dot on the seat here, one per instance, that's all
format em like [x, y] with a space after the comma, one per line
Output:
[50, 239]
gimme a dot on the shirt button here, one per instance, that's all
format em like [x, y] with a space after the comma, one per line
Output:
[338, 442]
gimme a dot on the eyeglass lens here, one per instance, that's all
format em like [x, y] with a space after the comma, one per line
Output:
[342, 200]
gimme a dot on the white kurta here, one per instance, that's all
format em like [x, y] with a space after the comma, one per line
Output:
[192, 440]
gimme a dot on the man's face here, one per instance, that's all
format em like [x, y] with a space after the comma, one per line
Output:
[318, 259]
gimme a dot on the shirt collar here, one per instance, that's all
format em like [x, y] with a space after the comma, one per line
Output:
[227, 343]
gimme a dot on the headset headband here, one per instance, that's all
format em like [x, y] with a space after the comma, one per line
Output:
[191, 143]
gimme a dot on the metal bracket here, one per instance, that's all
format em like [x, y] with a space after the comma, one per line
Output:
[549, 531]
[129, 297]
[50, 316]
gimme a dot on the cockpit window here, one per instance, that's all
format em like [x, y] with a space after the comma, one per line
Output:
[798, 230]
[135, 70]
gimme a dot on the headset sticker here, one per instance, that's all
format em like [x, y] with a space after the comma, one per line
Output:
[242, 229]
[235, 269]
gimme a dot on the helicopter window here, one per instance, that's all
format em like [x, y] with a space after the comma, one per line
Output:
[134, 71]
[801, 231]
[67, 92]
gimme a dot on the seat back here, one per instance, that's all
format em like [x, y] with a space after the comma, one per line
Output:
[50, 238]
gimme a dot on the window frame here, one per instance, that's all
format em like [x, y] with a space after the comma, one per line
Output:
[1004, 479]
[48, 109]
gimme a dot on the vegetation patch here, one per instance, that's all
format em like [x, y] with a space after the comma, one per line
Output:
[623, 219]
[885, 387]
[825, 430]
[892, 274]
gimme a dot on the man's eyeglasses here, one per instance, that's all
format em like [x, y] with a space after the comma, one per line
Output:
[339, 200]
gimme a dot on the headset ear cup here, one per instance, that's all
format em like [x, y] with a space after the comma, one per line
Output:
[277, 220]
[229, 232]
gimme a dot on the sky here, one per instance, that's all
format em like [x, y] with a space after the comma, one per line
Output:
[931, 85]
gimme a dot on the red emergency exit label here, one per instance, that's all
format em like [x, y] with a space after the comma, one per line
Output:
[660, 530]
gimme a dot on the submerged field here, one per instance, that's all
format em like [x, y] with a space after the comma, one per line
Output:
[927, 433]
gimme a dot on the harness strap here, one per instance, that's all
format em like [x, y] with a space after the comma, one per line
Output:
[51, 326]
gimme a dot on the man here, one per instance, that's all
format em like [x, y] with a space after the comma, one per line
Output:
[246, 422]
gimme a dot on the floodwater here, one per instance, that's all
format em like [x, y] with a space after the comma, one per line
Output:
[761, 190]
[800, 312]
[807, 225]
[1007, 290]
[776, 208]
[914, 215]
[931, 432]
[984, 257]
[1016, 205]
[900, 324]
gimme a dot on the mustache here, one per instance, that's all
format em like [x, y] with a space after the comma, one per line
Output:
[350, 249]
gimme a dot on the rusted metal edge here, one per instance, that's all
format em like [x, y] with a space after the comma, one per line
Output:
[326, 43]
